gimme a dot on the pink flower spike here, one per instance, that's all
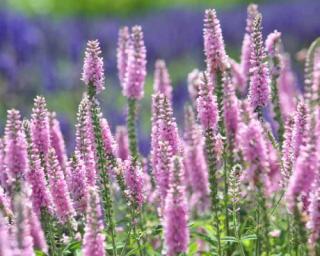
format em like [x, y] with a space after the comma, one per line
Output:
[40, 128]
[207, 105]
[93, 73]
[136, 69]
[176, 232]
[15, 147]
[59, 189]
[162, 82]
[216, 57]
[85, 144]
[134, 182]
[93, 241]
[272, 42]
[36, 232]
[77, 184]
[122, 142]
[259, 90]
[5, 204]
[5, 248]
[194, 85]
[57, 141]
[122, 53]
[108, 140]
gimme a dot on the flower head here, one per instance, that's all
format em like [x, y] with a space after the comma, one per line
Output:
[216, 57]
[122, 142]
[122, 53]
[207, 105]
[194, 84]
[136, 69]
[162, 82]
[93, 73]
[40, 128]
[56, 139]
[15, 146]
[259, 90]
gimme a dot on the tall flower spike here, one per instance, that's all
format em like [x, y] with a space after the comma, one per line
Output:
[162, 82]
[21, 233]
[122, 142]
[15, 147]
[40, 195]
[214, 49]
[206, 104]
[238, 79]
[168, 129]
[252, 12]
[77, 184]
[85, 140]
[259, 90]
[108, 140]
[122, 53]
[195, 162]
[93, 241]
[176, 233]
[57, 141]
[300, 129]
[59, 189]
[136, 69]
[287, 151]
[40, 128]
[93, 73]
[134, 182]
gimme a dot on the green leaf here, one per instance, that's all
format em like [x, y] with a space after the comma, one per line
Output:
[39, 253]
[193, 248]
[249, 237]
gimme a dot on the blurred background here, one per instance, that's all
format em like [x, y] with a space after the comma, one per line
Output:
[42, 45]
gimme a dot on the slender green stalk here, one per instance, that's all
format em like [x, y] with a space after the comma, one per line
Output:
[102, 165]
[132, 133]
[49, 230]
[275, 98]
[212, 165]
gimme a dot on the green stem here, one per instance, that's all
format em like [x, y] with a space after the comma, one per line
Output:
[131, 123]
[275, 99]
[102, 165]
[49, 230]
[211, 160]
[236, 229]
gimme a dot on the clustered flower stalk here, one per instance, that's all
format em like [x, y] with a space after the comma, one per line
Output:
[93, 77]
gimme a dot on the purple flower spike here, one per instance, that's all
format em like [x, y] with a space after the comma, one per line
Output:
[36, 232]
[57, 141]
[108, 140]
[176, 232]
[77, 184]
[122, 142]
[15, 147]
[259, 90]
[162, 82]
[59, 189]
[136, 69]
[5, 248]
[93, 73]
[40, 128]
[216, 57]
[122, 53]
[273, 39]
[84, 140]
[93, 241]
[134, 182]
[207, 105]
